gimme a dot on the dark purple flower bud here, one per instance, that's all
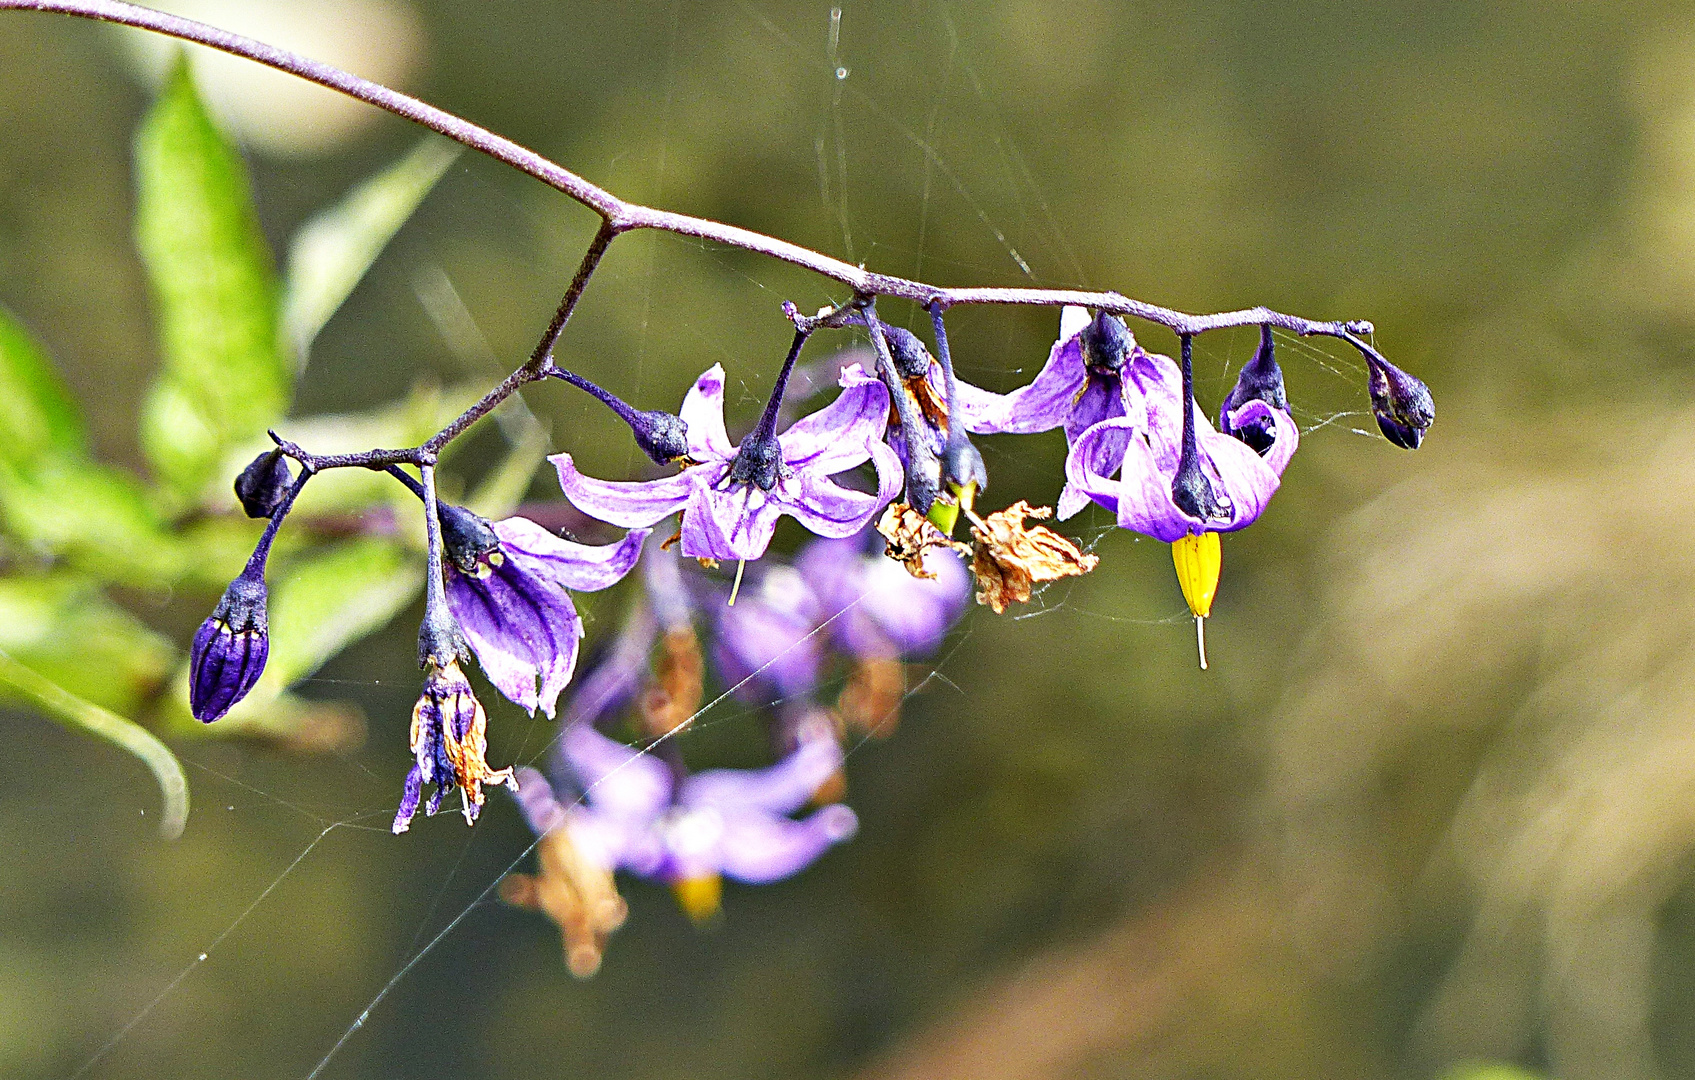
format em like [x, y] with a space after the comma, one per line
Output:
[962, 465]
[1106, 343]
[1261, 380]
[1402, 404]
[465, 537]
[262, 486]
[230, 648]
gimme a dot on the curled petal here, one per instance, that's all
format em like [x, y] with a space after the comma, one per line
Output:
[1048, 398]
[1094, 458]
[826, 507]
[522, 627]
[630, 504]
[1285, 437]
[703, 412]
[839, 436]
[780, 789]
[759, 848]
[583, 567]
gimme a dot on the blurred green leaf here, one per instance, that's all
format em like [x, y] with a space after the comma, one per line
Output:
[325, 602]
[224, 379]
[64, 628]
[40, 417]
[74, 712]
[503, 489]
[98, 518]
[1489, 1071]
[331, 252]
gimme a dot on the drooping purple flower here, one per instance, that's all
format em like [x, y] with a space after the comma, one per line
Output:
[506, 585]
[766, 642]
[1262, 380]
[730, 503]
[874, 607]
[637, 815]
[1145, 449]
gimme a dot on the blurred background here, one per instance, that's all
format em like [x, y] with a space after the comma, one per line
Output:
[1431, 812]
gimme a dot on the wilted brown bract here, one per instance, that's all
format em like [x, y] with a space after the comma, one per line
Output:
[678, 682]
[1011, 557]
[909, 535]
[578, 895]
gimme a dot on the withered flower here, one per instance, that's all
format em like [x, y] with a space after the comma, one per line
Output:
[573, 889]
[1011, 557]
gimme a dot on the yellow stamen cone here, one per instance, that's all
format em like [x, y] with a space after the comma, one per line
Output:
[945, 515]
[1198, 560]
[699, 897]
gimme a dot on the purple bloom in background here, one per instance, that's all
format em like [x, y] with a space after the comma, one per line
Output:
[727, 516]
[506, 585]
[766, 639]
[874, 607]
[1145, 450]
[637, 815]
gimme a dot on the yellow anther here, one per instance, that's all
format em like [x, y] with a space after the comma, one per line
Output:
[944, 513]
[699, 896]
[1197, 560]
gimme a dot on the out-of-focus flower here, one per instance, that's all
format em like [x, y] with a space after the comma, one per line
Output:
[731, 501]
[767, 642]
[689, 833]
[572, 889]
[1011, 557]
[506, 585]
[450, 743]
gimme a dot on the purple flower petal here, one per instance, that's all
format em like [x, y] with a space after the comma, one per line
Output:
[521, 626]
[874, 607]
[758, 849]
[536, 801]
[1285, 438]
[630, 504]
[734, 521]
[781, 789]
[766, 640]
[1096, 455]
[616, 779]
[582, 567]
[826, 507]
[840, 435]
[1047, 400]
[703, 412]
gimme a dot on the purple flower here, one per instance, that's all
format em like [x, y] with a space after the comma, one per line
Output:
[874, 607]
[637, 815]
[506, 585]
[449, 741]
[1144, 450]
[730, 504]
[766, 640]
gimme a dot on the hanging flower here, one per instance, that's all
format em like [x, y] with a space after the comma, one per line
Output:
[1082, 383]
[1178, 479]
[732, 499]
[449, 743]
[506, 585]
[635, 814]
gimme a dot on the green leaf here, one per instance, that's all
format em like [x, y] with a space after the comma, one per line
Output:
[333, 251]
[62, 627]
[224, 379]
[98, 518]
[81, 715]
[40, 418]
[325, 602]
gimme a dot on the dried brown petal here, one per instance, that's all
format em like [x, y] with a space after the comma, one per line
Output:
[574, 892]
[679, 679]
[1010, 557]
[930, 403]
[870, 702]
[908, 534]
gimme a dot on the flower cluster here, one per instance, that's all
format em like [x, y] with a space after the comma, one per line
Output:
[882, 475]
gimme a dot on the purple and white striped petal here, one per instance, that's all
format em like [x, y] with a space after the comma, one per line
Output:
[580, 567]
[636, 503]
[703, 412]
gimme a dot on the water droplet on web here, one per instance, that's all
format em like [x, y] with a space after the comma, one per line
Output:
[841, 73]
[202, 956]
